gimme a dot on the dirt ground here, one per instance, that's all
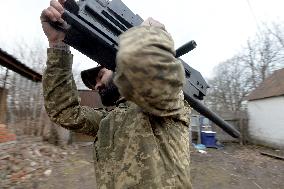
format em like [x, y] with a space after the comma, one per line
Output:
[75, 173]
[233, 167]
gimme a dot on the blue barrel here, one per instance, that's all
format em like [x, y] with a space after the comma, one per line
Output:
[208, 138]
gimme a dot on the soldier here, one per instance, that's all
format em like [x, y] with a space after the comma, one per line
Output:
[144, 141]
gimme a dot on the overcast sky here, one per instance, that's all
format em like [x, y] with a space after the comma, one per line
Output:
[220, 27]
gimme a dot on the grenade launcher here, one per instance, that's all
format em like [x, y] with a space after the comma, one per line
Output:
[93, 27]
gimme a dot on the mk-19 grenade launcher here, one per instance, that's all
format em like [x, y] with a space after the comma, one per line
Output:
[93, 29]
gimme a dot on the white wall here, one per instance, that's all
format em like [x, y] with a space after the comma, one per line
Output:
[266, 121]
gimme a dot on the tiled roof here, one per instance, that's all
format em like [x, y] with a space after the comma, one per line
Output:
[271, 87]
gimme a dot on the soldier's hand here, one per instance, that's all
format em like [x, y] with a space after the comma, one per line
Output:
[53, 14]
[151, 22]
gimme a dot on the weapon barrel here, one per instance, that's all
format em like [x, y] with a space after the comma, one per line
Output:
[189, 46]
[199, 107]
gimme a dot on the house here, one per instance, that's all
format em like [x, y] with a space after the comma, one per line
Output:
[266, 112]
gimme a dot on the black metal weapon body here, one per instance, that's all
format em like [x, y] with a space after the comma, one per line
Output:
[94, 27]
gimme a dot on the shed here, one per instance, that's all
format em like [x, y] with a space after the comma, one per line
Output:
[93, 100]
[15, 65]
[266, 112]
[11, 63]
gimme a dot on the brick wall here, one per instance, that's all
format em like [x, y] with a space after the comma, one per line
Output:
[6, 135]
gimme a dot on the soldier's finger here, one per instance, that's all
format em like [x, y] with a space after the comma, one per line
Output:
[146, 22]
[55, 14]
[61, 20]
[43, 16]
[57, 6]
[150, 19]
[158, 24]
[46, 15]
[152, 22]
[61, 1]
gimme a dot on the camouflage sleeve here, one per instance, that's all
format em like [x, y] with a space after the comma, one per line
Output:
[61, 97]
[148, 73]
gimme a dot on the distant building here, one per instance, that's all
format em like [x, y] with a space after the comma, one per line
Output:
[93, 100]
[266, 111]
[62, 136]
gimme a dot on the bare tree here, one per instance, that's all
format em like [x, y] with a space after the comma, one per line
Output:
[229, 86]
[277, 30]
[24, 96]
[235, 78]
[32, 54]
[262, 56]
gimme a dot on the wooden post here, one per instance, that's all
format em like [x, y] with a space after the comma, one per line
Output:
[241, 124]
[3, 99]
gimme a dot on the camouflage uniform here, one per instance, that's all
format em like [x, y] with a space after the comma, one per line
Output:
[143, 142]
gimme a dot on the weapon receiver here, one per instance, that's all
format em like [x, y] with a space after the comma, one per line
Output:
[94, 27]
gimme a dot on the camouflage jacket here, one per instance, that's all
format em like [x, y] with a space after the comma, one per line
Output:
[144, 142]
